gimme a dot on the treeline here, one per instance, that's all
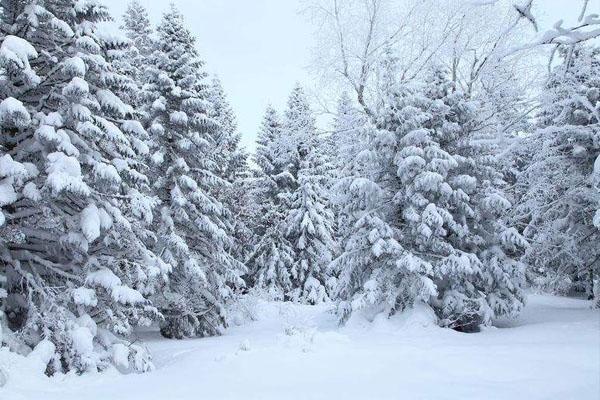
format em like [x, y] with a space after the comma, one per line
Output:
[126, 199]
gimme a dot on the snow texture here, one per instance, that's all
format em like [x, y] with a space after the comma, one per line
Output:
[18, 50]
[406, 356]
[13, 113]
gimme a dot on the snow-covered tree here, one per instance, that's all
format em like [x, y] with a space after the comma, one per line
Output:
[349, 138]
[230, 158]
[559, 185]
[269, 134]
[440, 215]
[137, 28]
[310, 221]
[77, 273]
[310, 225]
[452, 203]
[375, 273]
[294, 227]
[134, 61]
[232, 166]
[192, 233]
[272, 257]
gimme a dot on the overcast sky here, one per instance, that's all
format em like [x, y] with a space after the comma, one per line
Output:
[260, 48]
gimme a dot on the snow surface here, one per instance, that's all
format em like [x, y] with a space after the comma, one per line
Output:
[297, 352]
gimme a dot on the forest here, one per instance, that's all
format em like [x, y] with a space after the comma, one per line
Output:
[447, 166]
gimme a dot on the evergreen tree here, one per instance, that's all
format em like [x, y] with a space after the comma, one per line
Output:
[271, 260]
[269, 134]
[349, 138]
[134, 62]
[375, 272]
[309, 222]
[559, 185]
[443, 204]
[138, 29]
[310, 230]
[192, 233]
[452, 204]
[231, 164]
[73, 252]
[230, 158]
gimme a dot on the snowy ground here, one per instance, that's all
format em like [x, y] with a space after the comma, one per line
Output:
[296, 352]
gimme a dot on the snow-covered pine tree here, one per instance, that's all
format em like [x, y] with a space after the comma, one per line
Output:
[74, 204]
[560, 197]
[439, 216]
[134, 60]
[369, 274]
[232, 166]
[138, 29]
[268, 136]
[372, 269]
[349, 138]
[375, 272]
[310, 229]
[310, 221]
[231, 160]
[451, 204]
[192, 234]
[272, 256]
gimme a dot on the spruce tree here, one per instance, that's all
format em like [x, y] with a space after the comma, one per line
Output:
[192, 233]
[134, 62]
[309, 221]
[375, 272]
[350, 137]
[440, 213]
[559, 185]
[75, 224]
[138, 29]
[272, 257]
[452, 202]
[230, 157]
[232, 167]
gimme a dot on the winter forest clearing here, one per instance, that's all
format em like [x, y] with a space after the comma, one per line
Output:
[420, 218]
[297, 352]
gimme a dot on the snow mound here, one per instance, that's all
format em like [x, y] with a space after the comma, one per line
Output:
[19, 370]
[13, 113]
[83, 340]
[17, 50]
[419, 317]
[64, 173]
[73, 67]
[90, 222]
[120, 355]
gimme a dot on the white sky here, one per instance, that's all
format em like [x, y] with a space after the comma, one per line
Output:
[261, 48]
[258, 48]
